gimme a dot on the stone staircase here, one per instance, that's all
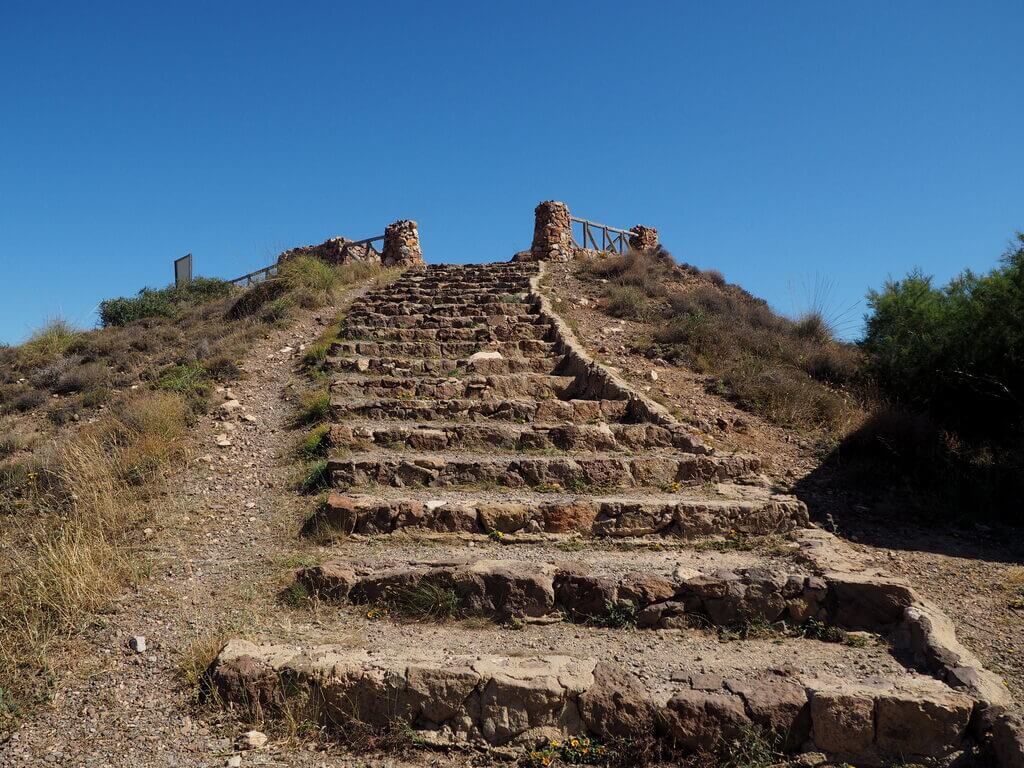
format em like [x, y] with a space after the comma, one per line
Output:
[521, 543]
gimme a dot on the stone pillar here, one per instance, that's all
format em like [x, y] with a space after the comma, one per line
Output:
[552, 232]
[401, 244]
[643, 238]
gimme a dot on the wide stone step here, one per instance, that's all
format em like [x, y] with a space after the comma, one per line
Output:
[435, 309]
[691, 595]
[379, 320]
[441, 436]
[477, 690]
[436, 349]
[506, 386]
[579, 473]
[481, 283]
[543, 411]
[622, 515]
[482, 363]
[505, 332]
[448, 295]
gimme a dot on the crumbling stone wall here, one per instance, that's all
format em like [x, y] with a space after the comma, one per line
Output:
[335, 250]
[552, 232]
[643, 238]
[402, 244]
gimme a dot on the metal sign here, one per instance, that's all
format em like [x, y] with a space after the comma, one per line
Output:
[183, 270]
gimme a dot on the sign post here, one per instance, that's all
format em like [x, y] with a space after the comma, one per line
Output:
[183, 270]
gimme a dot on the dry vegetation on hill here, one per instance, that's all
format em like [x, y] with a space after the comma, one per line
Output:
[793, 373]
[91, 423]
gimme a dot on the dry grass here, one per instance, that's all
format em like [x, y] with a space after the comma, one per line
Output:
[73, 550]
[794, 373]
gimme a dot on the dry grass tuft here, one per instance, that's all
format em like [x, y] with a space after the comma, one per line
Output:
[794, 373]
[73, 549]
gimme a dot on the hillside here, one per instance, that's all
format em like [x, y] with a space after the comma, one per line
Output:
[463, 514]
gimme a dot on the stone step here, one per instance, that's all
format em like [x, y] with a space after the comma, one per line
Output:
[678, 515]
[484, 364]
[490, 688]
[461, 294]
[378, 320]
[514, 332]
[484, 308]
[446, 349]
[680, 592]
[506, 386]
[580, 473]
[481, 283]
[440, 436]
[533, 411]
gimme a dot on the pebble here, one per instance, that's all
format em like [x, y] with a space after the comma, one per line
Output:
[137, 643]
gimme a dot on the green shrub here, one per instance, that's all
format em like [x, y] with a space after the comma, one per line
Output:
[187, 379]
[951, 361]
[626, 302]
[162, 302]
[956, 352]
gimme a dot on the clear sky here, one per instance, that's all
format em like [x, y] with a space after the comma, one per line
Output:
[780, 143]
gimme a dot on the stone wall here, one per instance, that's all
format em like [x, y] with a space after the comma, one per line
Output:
[643, 238]
[552, 232]
[402, 244]
[336, 250]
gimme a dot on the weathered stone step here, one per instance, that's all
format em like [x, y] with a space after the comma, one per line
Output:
[543, 411]
[434, 309]
[439, 436]
[507, 386]
[579, 473]
[617, 515]
[447, 295]
[480, 693]
[481, 283]
[507, 332]
[691, 596]
[447, 349]
[378, 320]
[481, 363]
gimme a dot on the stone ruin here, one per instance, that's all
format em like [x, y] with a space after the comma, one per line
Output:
[402, 244]
[553, 240]
[401, 248]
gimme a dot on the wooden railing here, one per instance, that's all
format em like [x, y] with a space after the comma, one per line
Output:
[255, 277]
[612, 238]
[267, 272]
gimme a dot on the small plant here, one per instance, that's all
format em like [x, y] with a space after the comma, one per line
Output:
[576, 750]
[753, 747]
[315, 477]
[829, 633]
[296, 595]
[186, 379]
[496, 536]
[315, 443]
[733, 541]
[619, 615]
[426, 601]
[314, 407]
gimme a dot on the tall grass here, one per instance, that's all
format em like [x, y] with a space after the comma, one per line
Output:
[71, 550]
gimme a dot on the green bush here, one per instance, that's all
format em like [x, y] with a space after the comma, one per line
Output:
[162, 302]
[950, 360]
[955, 352]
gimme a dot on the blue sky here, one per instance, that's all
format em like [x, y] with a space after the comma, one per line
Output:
[781, 143]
